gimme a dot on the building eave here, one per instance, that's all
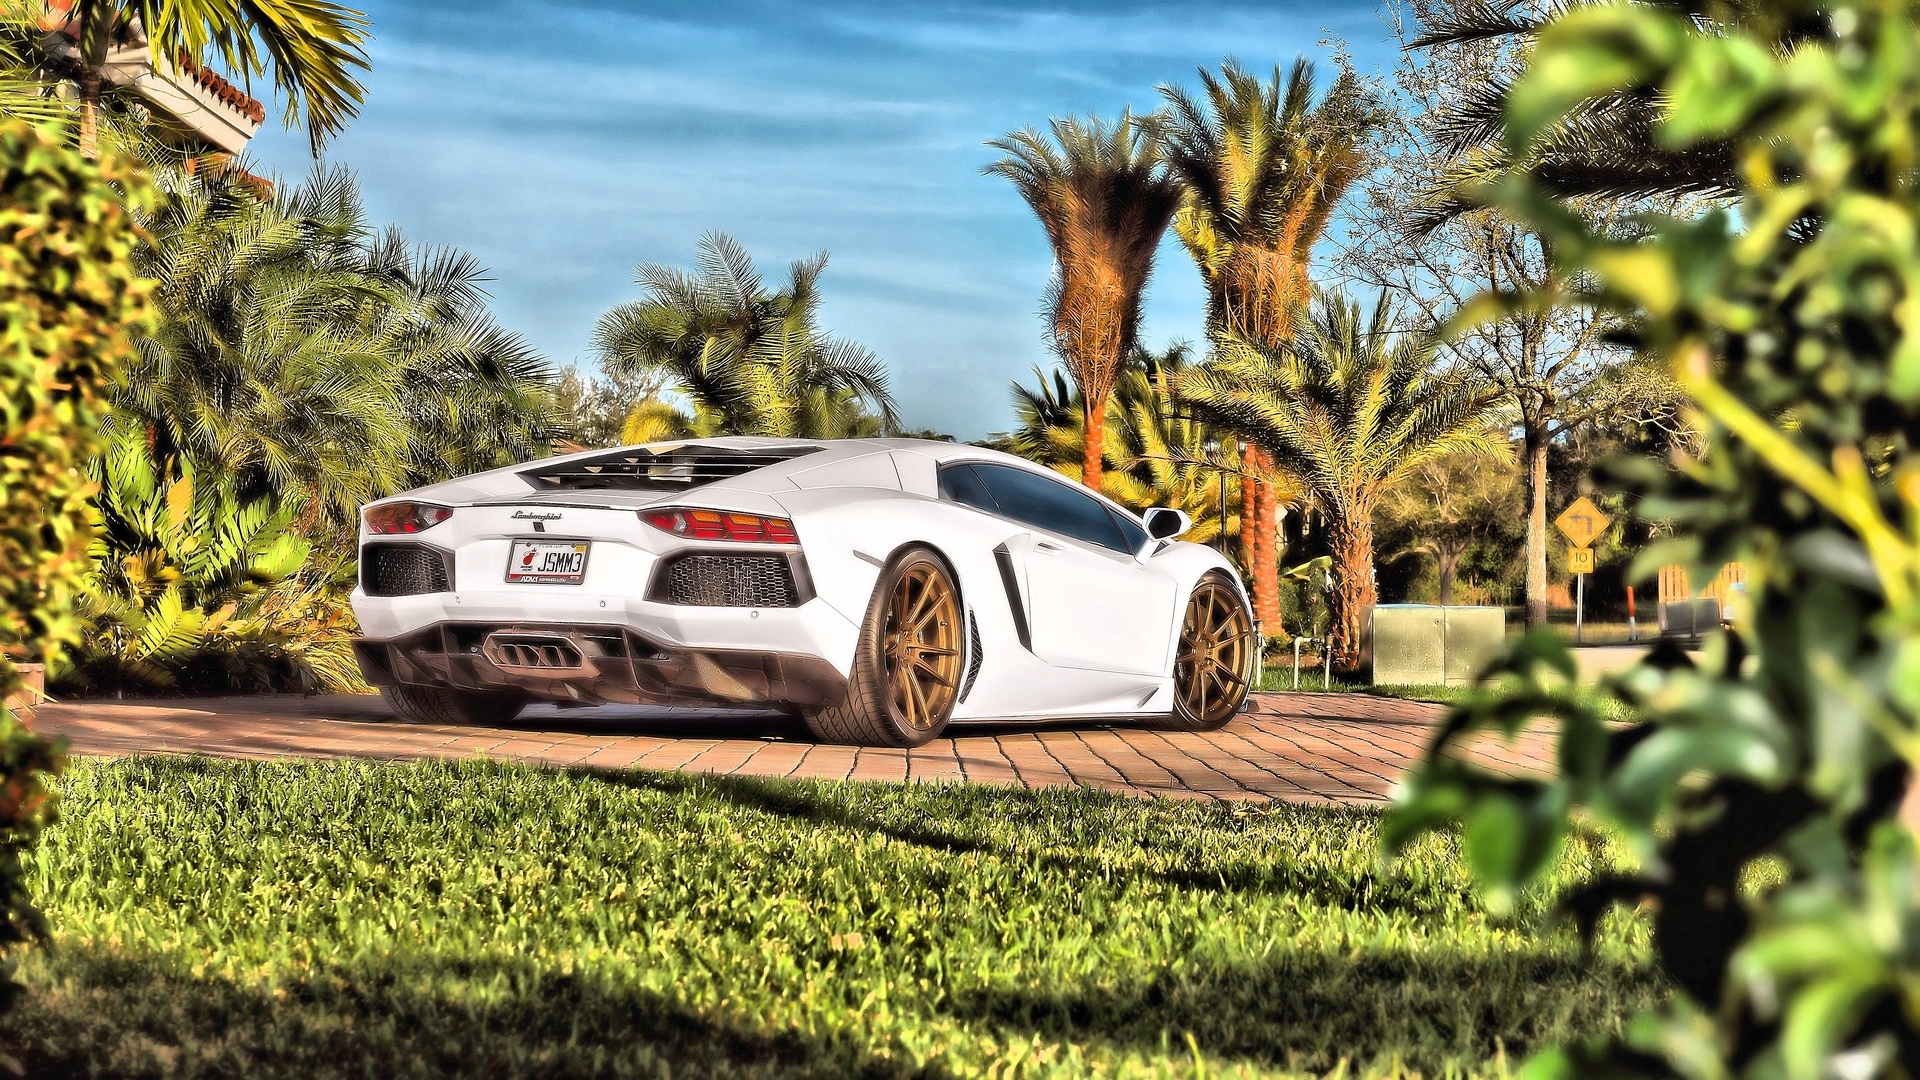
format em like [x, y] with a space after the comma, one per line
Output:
[194, 98]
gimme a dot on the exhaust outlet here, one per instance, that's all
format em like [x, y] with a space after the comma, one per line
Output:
[534, 654]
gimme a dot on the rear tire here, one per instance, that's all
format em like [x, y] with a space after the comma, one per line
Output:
[906, 668]
[1212, 667]
[445, 705]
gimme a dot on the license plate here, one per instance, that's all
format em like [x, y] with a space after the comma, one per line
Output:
[548, 562]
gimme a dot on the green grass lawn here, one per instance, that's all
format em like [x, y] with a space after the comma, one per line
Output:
[475, 919]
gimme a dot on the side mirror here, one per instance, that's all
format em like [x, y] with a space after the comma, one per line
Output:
[1165, 523]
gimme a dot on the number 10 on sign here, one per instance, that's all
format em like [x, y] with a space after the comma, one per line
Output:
[1579, 564]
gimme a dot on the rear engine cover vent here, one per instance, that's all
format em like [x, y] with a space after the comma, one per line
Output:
[404, 570]
[677, 468]
[727, 581]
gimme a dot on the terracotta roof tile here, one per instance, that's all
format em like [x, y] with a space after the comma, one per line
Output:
[210, 80]
[58, 16]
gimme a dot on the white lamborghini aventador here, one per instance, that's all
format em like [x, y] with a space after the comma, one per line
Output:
[879, 588]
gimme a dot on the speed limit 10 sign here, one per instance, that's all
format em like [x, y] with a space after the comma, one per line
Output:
[1579, 560]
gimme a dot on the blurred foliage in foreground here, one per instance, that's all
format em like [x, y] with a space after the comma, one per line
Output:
[1792, 318]
[67, 292]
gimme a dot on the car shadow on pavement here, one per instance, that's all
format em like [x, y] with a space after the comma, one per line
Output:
[716, 722]
[660, 722]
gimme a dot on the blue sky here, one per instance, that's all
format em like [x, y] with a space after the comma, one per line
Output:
[565, 143]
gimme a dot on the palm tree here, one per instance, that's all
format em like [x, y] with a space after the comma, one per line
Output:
[1606, 148]
[1351, 408]
[1105, 197]
[309, 46]
[26, 93]
[751, 362]
[1155, 455]
[302, 358]
[1264, 166]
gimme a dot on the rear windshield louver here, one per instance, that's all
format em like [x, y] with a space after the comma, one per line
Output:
[404, 570]
[678, 468]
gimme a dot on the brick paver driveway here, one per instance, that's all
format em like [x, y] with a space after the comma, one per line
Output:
[1348, 748]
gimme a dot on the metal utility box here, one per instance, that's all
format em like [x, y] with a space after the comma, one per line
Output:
[1689, 618]
[1428, 645]
[1409, 644]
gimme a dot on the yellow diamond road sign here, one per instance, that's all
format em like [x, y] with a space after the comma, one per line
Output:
[1582, 522]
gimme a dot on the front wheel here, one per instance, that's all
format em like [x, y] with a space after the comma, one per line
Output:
[906, 669]
[1211, 670]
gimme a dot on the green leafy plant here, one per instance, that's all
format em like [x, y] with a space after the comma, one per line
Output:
[304, 354]
[1351, 408]
[1154, 455]
[1759, 790]
[1304, 589]
[67, 294]
[748, 361]
[198, 588]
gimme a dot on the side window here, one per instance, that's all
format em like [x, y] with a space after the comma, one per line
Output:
[962, 485]
[1051, 504]
[1130, 530]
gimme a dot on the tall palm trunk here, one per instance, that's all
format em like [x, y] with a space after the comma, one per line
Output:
[1259, 536]
[1351, 534]
[1266, 572]
[95, 33]
[1249, 513]
[90, 91]
[1093, 441]
[1535, 449]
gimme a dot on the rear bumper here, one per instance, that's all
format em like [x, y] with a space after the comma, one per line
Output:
[593, 663]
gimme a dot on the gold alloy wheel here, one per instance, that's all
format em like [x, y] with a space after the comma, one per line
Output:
[920, 646]
[1216, 647]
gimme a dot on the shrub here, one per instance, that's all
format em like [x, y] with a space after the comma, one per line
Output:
[67, 296]
[198, 589]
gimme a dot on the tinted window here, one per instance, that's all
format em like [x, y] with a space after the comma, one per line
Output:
[1130, 530]
[962, 485]
[1051, 504]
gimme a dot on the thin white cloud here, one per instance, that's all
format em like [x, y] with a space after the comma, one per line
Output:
[562, 146]
[1186, 31]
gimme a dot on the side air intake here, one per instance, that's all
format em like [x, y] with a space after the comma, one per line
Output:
[974, 656]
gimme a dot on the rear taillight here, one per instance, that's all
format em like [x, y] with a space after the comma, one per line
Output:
[722, 525]
[404, 517]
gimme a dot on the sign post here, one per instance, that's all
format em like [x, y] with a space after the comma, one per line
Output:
[1580, 605]
[1582, 524]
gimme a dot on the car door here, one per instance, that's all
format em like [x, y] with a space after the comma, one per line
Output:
[1091, 601]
